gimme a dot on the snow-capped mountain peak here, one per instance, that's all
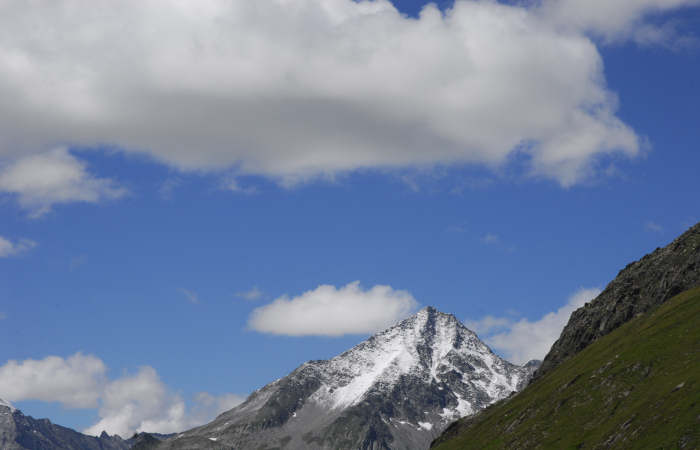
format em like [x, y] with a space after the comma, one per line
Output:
[428, 345]
[398, 389]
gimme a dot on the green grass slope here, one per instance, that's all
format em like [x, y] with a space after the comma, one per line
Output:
[637, 387]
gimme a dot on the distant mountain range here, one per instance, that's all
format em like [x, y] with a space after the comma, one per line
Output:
[20, 432]
[398, 389]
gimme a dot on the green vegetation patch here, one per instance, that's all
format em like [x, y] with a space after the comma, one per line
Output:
[637, 387]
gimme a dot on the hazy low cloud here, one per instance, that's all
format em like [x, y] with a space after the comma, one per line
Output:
[522, 340]
[138, 402]
[42, 180]
[331, 311]
[9, 248]
[304, 89]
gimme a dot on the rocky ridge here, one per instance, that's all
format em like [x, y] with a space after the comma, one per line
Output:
[638, 288]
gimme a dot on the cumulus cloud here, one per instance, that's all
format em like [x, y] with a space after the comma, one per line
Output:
[138, 402]
[9, 248]
[142, 402]
[56, 176]
[331, 311]
[297, 90]
[74, 382]
[522, 340]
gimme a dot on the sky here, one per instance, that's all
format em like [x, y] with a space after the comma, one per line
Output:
[198, 197]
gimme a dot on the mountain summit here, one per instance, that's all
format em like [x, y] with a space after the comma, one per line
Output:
[398, 389]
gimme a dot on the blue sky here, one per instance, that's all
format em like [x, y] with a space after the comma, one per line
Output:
[143, 257]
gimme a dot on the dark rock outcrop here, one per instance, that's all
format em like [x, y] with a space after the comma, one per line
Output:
[638, 288]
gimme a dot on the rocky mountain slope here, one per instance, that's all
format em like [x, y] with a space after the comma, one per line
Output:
[638, 288]
[399, 389]
[636, 387]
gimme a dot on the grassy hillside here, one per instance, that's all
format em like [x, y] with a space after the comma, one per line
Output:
[637, 387]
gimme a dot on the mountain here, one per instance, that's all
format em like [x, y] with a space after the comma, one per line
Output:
[638, 288]
[398, 389]
[636, 387]
[20, 432]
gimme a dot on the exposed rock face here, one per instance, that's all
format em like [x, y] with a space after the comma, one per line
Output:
[399, 389]
[20, 432]
[639, 287]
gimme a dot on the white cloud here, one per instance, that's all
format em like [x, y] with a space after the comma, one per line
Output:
[138, 402]
[142, 402]
[298, 90]
[331, 311]
[523, 340]
[74, 382]
[253, 294]
[615, 20]
[42, 180]
[9, 248]
[3, 316]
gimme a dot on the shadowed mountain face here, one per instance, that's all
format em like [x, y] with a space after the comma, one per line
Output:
[399, 389]
[638, 288]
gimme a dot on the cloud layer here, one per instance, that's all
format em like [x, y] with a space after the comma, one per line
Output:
[331, 311]
[138, 402]
[522, 340]
[303, 89]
